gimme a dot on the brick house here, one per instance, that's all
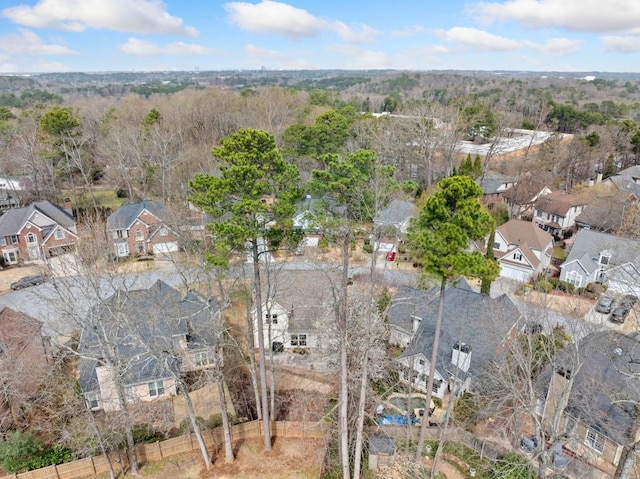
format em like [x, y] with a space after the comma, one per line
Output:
[140, 229]
[38, 231]
[25, 357]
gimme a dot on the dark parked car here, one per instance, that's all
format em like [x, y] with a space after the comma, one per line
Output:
[27, 281]
[619, 314]
[605, 305]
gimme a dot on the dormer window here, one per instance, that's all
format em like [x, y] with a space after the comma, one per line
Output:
[605, 258]
[517, 256]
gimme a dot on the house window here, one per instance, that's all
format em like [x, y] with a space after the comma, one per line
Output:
[156, 388]
[517, 256]
[129, 393]
[92, 400]
[31, 238]
[10, 257]
[594, 440]
[59, 234]
[3, 241]
[164, 231]
[298, 340]
[405, 374]
[14, 239]
[202, 359]
[273, 318]
[604, 258]
[496, 245]
[548, 216]
[421, 362]
[436, 385]
[121, 234]
[138, 234]
[140, 247]
[538, 213]
[574, 278]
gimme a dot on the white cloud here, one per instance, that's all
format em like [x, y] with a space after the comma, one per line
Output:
[557, 46]
[478, 39]
[621, 44]
[139, 16]
[46, 66]
[137, 47]
[25, 42]
[575, 15]
[280, 18]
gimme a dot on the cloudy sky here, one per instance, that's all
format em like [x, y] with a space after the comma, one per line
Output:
[117, 35]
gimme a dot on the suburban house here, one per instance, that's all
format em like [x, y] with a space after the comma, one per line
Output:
[556, 212]
[293, 307]
[627, 181]
[25, 360]
[474, 327]
[38, 231]
[142, 341]
[493, 187]
[602, 258]
[521, 198]
[522, 249]
[305, 219]
[141, 229]
[605, 211]
[391, 225]
[591, 393]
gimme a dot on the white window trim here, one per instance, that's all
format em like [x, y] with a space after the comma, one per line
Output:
[59, 234]
[155, 388]
[595, 440]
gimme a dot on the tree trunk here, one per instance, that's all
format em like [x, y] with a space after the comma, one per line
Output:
[432, 372]
[343, 393]
[357, 460]
[194, 423]
[627, 461]
[252, 366]
[226, 427]
[264, 398]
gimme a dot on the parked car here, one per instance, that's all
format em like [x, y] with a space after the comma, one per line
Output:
[629, 300]
[619, 314]
[605, 305]
[33, 280]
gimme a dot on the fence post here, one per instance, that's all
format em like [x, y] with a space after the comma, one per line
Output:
[55, 468]
[482, 450]
[160, 450]
[93, 464]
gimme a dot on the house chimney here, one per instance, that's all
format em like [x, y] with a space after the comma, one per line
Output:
[599, 177]
[68, 206]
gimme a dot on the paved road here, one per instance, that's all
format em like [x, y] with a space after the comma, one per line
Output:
[63, 302]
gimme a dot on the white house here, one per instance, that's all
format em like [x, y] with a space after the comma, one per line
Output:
[556, 212]
[522, 249]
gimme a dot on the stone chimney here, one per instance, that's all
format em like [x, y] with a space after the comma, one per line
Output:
[68, 207]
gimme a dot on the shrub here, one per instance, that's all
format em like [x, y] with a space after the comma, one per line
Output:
[18, 450]
[367, 248]
[554, 282]
[513, 466]
[143, 433]
[54, 455]
[544, 286]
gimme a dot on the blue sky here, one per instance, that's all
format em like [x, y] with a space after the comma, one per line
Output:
[123, 35]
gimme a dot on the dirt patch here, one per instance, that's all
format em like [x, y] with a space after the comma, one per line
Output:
[289, 458]
[567, 304]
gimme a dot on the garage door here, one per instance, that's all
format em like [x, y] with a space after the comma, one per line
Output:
[515, 273]
[169, 247]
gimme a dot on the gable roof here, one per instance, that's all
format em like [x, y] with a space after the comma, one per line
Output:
[494, 182]
[588, 244]
[557, 202]
[153, 316]
[524, 192]
[397, 212]
[521, 232]
[125, 216]
[606, 381]
[13, 220]
[605, 212]
[477, 320]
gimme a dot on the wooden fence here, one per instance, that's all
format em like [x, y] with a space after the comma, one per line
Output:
[157, 451]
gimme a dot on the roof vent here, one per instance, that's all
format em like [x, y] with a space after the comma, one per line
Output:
[617, 351]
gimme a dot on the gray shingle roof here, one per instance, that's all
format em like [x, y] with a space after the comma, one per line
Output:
[493, 182]
[13, 220]
[124, 216]
[395, 213]
[606, 381]
[588, 244]
[477, 320]
[137, 321]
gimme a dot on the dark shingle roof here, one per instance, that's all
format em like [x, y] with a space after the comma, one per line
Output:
[477, 320]
[149, 316]
[13, 220]
[395, 213]
[493, 182]
[124, 216]
[588, 244]
[606, 381]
